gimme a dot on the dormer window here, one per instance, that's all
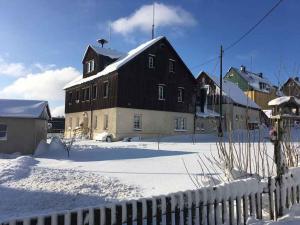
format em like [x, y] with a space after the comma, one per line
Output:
[151, 61]
[171, 65]
[90, 66]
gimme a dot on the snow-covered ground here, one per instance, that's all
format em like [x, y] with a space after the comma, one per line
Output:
[97, 173]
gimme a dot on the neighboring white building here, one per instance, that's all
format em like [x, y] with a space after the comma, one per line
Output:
[23, 124]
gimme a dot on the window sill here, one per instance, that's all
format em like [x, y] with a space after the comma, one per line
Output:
[180, 130]
[137, 129]
[180, 101]
[161, 99]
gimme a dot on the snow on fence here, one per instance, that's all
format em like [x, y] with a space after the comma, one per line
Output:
[230, 203]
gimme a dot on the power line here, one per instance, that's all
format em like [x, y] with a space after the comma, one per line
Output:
[243, 36]
[254, 26]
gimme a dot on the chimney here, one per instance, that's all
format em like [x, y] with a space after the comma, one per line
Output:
[243, 68]
[297, 79]
[260, 75]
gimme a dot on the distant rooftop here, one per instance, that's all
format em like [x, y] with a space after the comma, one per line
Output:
[16, 108]
[253, 79]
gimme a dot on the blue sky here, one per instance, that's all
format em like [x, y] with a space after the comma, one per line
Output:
[42, 42]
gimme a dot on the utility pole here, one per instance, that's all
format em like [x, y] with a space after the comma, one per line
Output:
[220, 131]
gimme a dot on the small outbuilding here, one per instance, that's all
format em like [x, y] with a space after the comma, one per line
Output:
[23, 124]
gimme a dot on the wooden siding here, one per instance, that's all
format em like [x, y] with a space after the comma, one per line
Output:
[138, 84]
[235, 78]
[135, 85]
[100, 102]
[291, 88]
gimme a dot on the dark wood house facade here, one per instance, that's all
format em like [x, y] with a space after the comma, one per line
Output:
[132, 94]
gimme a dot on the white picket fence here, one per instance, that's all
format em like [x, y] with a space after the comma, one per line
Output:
[230, 203]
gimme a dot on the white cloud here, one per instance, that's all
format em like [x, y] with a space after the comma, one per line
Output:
[141, 19]
[46, 85]
[58, 111]
[12, 69]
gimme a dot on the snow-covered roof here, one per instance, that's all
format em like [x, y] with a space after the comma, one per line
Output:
[268, 112]
[114, 54]
[234, 92]
[253, 79]
[16, 108]
[284, 99]
[117, 64]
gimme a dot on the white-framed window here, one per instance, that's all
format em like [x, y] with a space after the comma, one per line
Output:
[95, 122]
[180, 124]
[90, 66]
[137, 122]
[87, 94]
[3, 132]
[77, 96]
[70, 97]
[105, 122]
[151, 61]
[94, 91]
[180, 94]
[161, 92]
[105, 89]
[171, 65]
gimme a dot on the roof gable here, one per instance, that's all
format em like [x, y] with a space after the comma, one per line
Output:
[118, 63]
[111, 53]
[17, 108]
[253, 79]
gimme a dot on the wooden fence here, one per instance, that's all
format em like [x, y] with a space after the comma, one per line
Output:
[230, 203]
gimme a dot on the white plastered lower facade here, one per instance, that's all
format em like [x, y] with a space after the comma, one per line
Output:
[120, 122]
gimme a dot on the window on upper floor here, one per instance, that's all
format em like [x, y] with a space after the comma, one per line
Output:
[180, 94]
[77, 96]
[151, 60]
[171, 65]
[94, 91]
[3, 132]
[70, 96]
[105, 89]
[90, 66]
[161, 92]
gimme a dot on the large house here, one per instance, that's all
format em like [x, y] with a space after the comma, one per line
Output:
[23, 124]
[254, 85]
[145, 92]
[291, 87]
[238, 111]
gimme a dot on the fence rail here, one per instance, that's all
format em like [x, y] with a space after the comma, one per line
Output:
[230, 203]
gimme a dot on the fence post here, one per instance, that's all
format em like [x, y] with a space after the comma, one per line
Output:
[271, 199]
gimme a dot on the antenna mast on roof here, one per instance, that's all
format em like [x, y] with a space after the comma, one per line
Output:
[153, 14]
[102, 41]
